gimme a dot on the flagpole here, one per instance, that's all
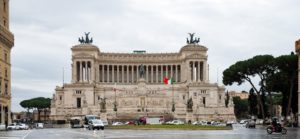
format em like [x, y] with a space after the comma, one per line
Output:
[173, 103]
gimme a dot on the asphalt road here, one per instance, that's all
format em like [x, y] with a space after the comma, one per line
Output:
[67, 133]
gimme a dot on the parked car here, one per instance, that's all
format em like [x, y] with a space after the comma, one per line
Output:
[203, 122]
[39, 125]
[95, 124]
[215, 123]
[196, 123]
[243, 121]
[23, 126]
[130, 123]
[105, 122]
[175, 122]
[13, 126]
[76, 122]
[2, 127]
[117, 123]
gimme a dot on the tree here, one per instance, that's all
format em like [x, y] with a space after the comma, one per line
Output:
[39, 103]
[227, 99]
[285, 80]
[261, 66]
[26, 105]
[240, 107]
[252, 101]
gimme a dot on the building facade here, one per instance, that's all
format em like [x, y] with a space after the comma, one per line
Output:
[6, 44]
[242, 95]
[121, 86]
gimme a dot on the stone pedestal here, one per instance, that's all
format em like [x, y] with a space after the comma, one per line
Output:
[189, 116]
[103, 116]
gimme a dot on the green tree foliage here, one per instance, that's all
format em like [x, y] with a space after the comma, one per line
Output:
[39, 103]
[285, 81]
[244, 71]
[26, 105]
[240, 107]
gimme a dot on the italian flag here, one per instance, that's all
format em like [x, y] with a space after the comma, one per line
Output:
[168, 81]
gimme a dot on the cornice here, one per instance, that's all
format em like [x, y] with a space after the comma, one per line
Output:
[6, 37]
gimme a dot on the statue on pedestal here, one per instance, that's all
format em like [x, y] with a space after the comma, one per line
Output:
[142, 71]
[190, 105]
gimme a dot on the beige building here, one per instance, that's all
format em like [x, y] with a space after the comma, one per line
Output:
[122, 86]
[242, 95]
[6, 44]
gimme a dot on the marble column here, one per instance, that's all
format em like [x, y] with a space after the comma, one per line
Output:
[2, 115]
[205, 72]
[107, 72]
[176, 73]
[151, 75]
[113, 73]
[118, 73]
[137, 73]
[156, 73]
[132, 73]
[167, 71]
[102, 76]
[198, 71]
[146, 70]
[9, 115]
[127, 73]
[80, 71]
[172, 66]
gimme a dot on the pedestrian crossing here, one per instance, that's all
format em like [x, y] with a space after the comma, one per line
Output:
[15, 134]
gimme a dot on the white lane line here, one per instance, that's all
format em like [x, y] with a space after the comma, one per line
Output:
[27, 134]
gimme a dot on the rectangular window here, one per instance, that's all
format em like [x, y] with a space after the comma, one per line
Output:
[6, 74]
[0, 85]
[5, 55]
[6, 89]
[60, 97]
[204, 101]
[4, 6]
[79, 102]
[195, 94]
[78, 91]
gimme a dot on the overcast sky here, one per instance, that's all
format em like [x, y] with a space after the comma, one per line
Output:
[232, 30]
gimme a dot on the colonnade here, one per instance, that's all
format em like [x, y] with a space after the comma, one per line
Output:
[111, 73]
[83, 71]
[198, 71]
[4, 115]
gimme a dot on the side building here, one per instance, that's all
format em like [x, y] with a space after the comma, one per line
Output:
[126, 86]
[6, 44]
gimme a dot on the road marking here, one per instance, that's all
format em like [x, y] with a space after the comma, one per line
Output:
[27, 134]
